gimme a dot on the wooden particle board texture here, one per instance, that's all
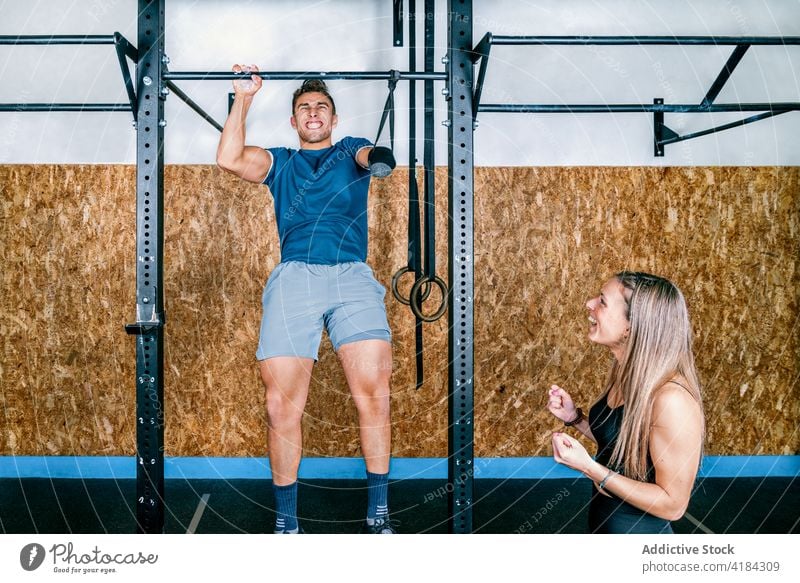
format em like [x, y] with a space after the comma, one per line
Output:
[728, 237]
[546, 239]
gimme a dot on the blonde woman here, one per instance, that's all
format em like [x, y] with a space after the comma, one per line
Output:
[648, 423]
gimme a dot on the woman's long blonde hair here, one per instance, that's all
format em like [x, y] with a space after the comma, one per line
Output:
[658, 348]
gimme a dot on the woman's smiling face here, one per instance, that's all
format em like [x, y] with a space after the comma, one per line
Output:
[608, 317]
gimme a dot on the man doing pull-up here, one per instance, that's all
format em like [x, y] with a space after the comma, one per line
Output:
[320, 197]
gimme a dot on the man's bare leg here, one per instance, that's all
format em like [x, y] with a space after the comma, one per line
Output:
[368, 368]
[286, 380]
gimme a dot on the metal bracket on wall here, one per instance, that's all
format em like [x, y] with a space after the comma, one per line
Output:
[669, 137]
[192, 105]
[660, 131]
[662, 135]
[126, 49]
[481, 53]
[123, 48]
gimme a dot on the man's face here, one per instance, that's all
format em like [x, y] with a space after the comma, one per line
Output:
[314, 119]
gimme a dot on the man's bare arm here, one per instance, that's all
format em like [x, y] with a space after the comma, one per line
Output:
[249, 163]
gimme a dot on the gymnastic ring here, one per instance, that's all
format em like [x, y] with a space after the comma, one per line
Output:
[396, 290]
[416, 303]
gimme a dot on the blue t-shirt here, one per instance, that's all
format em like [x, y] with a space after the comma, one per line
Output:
[320, 201]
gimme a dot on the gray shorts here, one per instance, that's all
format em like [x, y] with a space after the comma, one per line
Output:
[302, 298]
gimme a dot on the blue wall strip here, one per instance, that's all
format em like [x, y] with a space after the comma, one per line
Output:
[540, 468]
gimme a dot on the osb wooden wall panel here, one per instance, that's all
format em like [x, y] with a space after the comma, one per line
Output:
[66, 255]
[546, 239]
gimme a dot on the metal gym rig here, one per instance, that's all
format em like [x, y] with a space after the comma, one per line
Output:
[462, 91]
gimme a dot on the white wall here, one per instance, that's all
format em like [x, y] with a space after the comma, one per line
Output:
[356, 35]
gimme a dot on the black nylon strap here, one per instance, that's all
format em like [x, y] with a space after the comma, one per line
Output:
[428, 154]
[425, 283]
[414, 234]
[388, 109]
[414, 260]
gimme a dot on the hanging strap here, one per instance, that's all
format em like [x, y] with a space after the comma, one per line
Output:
[414, 236]
[388, 109]
[424, 275]
[423, 285]
[414, 263]
[428, 154]
[414, 258]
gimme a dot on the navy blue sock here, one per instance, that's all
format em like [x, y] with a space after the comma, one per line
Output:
[377, 493]
[285, 506]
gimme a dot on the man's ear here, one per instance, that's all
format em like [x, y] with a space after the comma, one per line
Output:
[334, 121]
[293, 122]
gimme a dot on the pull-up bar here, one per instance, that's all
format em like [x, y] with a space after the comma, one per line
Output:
[638, 108]
[55, 39]
[298, 75]
[86, 107]
[644, 40]
[171, 76]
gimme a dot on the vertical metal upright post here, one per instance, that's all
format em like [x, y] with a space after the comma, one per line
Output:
[461, 265]
[149, 273]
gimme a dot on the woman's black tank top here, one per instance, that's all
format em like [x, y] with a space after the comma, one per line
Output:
[612, 515]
